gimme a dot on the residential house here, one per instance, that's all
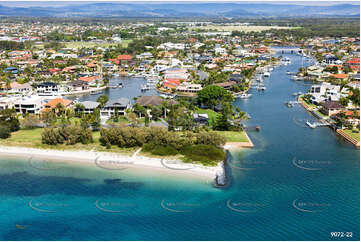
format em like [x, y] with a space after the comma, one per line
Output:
[147, 101]
[187, 87]
[16, 87]
[118, 106]
[201, 118]
[91, 80]
[331, 108]
[323, 92]
[6, 103]
[33, 105]
[79, 85]
[226, 85]
[89, 107]
[48, 89]
[54, 102]
[329, 59]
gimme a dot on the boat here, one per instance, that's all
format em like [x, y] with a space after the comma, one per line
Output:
[261, 88]
[95, 92]
[266, 74]
[245, 95]
[295, 94]
[296, 78]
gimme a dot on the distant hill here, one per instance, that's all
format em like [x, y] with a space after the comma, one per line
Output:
[177, 9]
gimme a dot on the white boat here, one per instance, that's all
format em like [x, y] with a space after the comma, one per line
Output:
[95, 92]
[266, 74]
[244, 95]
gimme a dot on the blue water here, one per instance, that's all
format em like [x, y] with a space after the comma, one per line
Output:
[297, 183]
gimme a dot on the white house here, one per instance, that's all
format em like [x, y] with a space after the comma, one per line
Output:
[33, 104]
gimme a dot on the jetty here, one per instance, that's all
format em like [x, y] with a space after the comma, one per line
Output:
[317, 124]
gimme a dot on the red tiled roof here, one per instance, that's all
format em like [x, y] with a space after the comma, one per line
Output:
[88, 78]
[173, 81]
[124, 57]
[354, 61]
[169, 85]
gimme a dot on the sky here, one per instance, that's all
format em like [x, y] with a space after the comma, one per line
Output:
[63, 3]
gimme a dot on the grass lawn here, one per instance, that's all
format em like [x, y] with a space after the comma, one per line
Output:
[234, 136]
[80, 44]
[212, 115]
[352, 134]
[121, 120]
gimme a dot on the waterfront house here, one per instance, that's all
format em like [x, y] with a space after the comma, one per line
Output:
[118, 106]
[189, 88]
[47, 89]
[89, 107]
[147, 101]
[323, 92]
[91, 80]
[79, 85]
[226, 85]
[331, 108]
[54, 102]
[33, 105]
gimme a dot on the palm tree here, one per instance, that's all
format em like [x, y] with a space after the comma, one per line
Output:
[59, 108]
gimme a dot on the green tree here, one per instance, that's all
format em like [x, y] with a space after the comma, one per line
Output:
[212, 96]
[103, 99]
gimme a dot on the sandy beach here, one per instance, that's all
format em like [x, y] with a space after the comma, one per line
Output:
[111, 161]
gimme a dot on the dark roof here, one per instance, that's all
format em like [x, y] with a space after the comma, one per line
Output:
[236, 77]
[78, 83]
[332, 105]
[90, 104]
[152, 100]
[47, 84]
[121, 102]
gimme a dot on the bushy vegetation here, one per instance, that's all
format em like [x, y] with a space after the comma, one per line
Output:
[204, 154]
[8, 123]
[66, 135]
[160, 141]
[4, 132]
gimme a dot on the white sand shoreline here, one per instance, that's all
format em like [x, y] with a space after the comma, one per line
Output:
[110, 161]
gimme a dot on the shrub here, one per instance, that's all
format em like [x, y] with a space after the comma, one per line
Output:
[210, 138]
[51, 136]
[69, 135]
[208, 155]
[160, 150]
[4, 132]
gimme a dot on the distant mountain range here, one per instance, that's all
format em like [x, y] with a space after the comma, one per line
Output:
[179, 10]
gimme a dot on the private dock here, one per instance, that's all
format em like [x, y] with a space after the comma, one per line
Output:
[316, 124]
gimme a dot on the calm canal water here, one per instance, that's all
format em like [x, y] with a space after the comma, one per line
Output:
[296, 184]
